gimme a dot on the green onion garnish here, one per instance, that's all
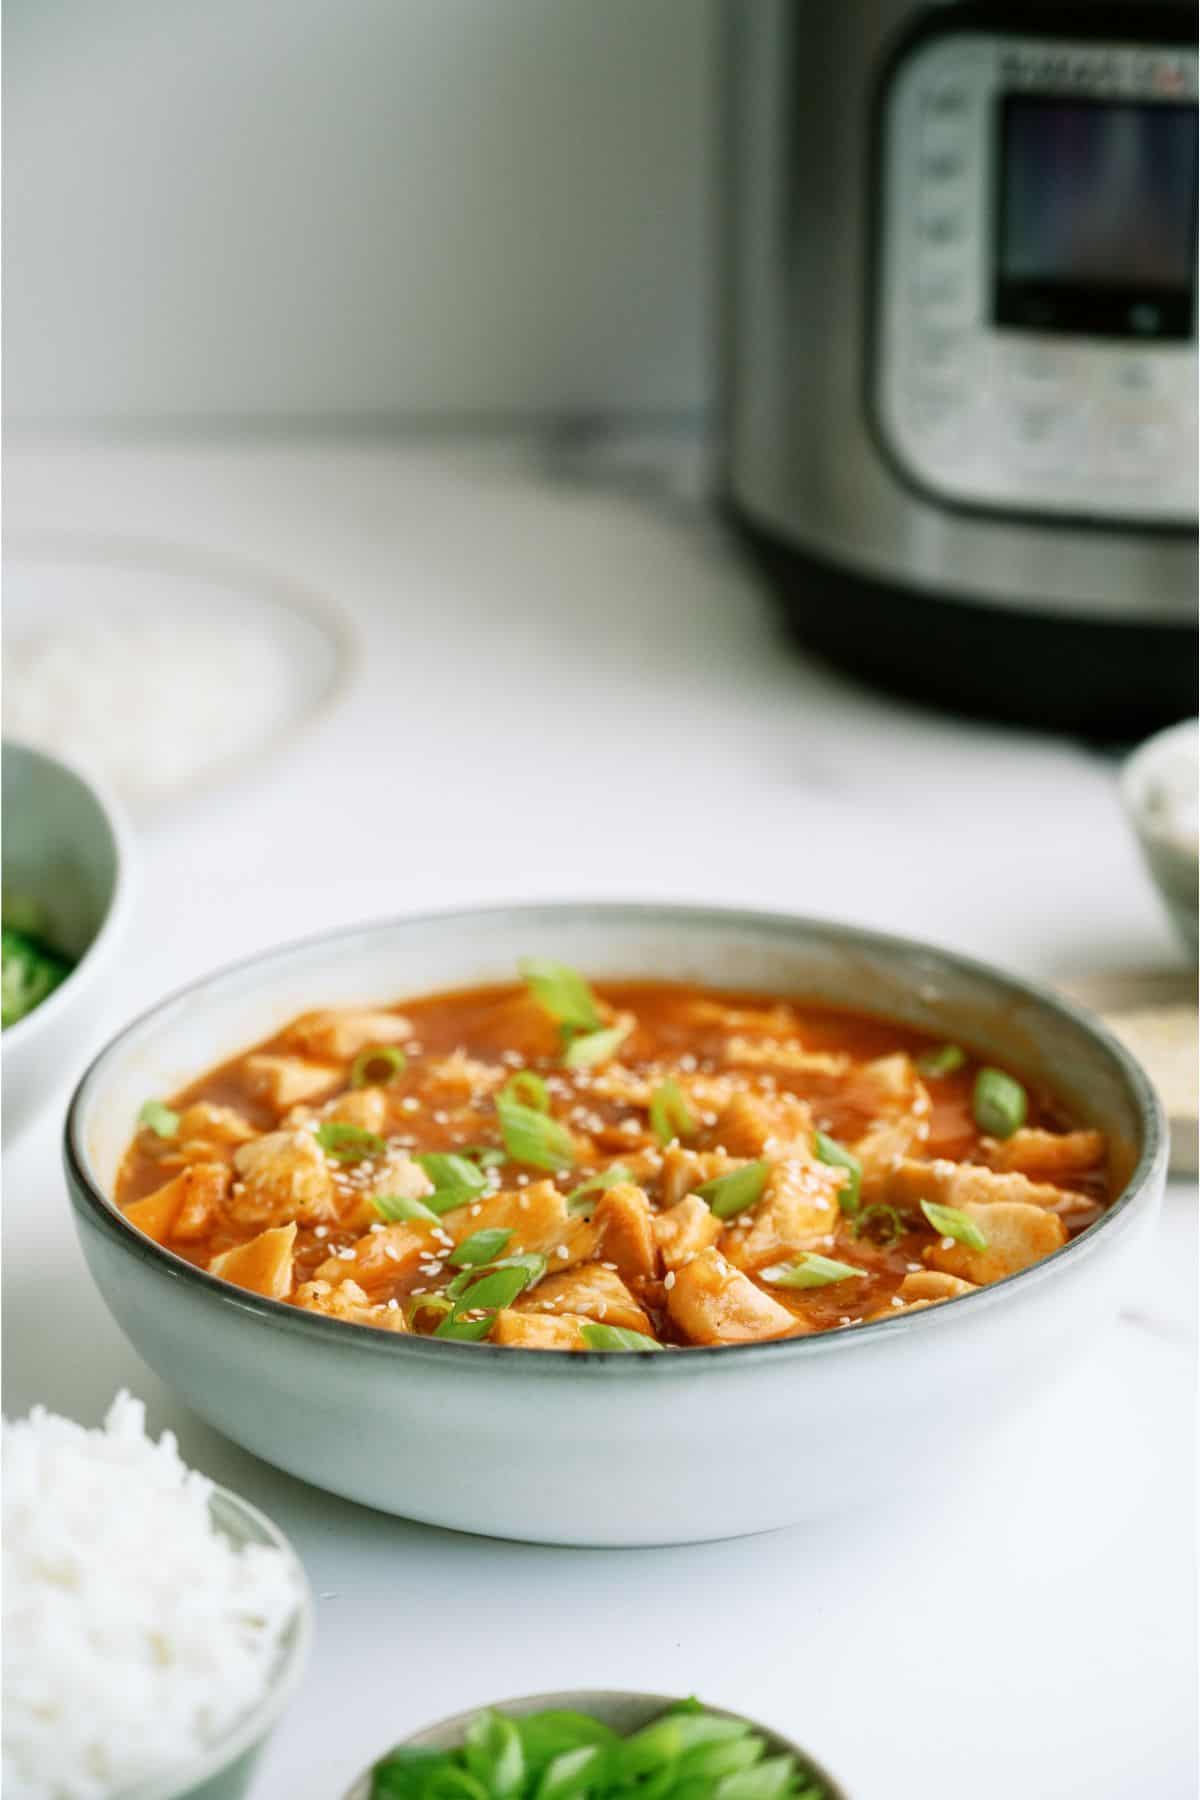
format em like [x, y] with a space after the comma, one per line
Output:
[399, 1209]
[527, 1089]
[731, 1194]
[949, 1222]
[998, 1103]
[616, 1337]
[563, 992]
[946, 1061]
[481, 1247]
[883, 1224]
[394, 1063]
[498, 1285]
[830, 1151]
[534, 1137]
[471, 1330]
[670, 1115]
[809, 1271]
[594, 1047]
[159, 1119]
[486, 1155]
[348, 1143]
[577, 1199]
[428, 1303]
[447, 1169]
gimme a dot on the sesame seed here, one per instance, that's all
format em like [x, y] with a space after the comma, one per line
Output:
[670, 1280]
[947, 1243]
[563, 1252]
[320, 1231]
[410, 1104]
[393, 1305]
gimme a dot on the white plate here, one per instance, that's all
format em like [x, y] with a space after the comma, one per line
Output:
[160, 668]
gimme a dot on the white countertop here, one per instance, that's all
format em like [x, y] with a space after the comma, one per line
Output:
[565, 689]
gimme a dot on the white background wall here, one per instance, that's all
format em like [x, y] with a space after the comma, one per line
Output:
[281, 209]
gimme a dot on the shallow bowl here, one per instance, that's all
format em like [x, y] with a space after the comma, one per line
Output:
[66, 848]
[624, 1712]
[586, 1447]
[1172, 857]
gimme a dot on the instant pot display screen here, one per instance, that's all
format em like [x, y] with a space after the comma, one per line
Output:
[1097, 217]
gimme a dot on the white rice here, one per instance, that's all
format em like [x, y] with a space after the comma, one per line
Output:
[135, 1635]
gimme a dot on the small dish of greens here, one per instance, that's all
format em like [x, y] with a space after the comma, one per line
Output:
[31, 966]
[596, 1746]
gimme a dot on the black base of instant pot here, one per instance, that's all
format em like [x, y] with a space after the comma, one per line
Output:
[1091, 677]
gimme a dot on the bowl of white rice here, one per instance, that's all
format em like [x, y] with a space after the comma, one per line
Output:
[1161, 789]
[155, 1625]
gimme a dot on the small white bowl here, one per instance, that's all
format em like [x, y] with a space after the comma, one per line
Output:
[66, 847]
[225, 1769]
[623, 1712]
[583, 1447]
[1172, 855]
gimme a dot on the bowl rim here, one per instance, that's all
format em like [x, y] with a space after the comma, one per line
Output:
[113, 816]
[90, 1203]
[582, 1700]
[251, 1526]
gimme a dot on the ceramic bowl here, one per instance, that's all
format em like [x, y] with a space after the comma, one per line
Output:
[624, 1712]
[1172, 856]
[588, 1448]
[225, 1770]
[65, 848]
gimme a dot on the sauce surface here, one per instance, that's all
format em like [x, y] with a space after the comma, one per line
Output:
[687, 1165]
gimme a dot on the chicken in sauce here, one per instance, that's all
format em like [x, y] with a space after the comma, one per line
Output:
[638, 1166]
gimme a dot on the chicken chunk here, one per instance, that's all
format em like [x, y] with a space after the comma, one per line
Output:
[625, 1225]
[1047, 1155]
[286, 1081]
[185, 1207]
[928, 1288]
[711, 1302]
[786, 1054]
[686, 1229]
[538, 1218]
[462, 1080]
[339, 1035]
[908, 1182]
[798, 1211]
[207, 1132]
[346, 1300]
[283, 1175]
[365, 1107]
[264, 1265]
[393, 1253]
[594, 1292]
[683, 1171]
[754, 1125]
[534, 1331]
[1017, 1235]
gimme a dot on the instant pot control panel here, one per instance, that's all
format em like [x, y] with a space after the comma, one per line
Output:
[1035, 347]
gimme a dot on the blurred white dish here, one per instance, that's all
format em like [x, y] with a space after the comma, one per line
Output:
[67, 850]
[1160, 786]
[156, 667]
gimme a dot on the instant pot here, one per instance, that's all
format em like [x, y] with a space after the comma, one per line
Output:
[960, 346]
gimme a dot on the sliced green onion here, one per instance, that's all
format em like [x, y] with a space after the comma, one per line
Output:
[616, 1337]
[563, 992]
[534, 1137]
[527, 1089]
[731, 1194]
[830, 1151]
[599, 1183]
[809, 1271]
[500, 1284]
[998, 1103]
[448, 1169]
[946, 1061]
[348, 1143]
[883, 1224]
[493, 1754]
[399, 1209]
[670, 1115]
[481, 1247]
[594, 1047]
[949, 1222]
[428, 1303]
[159, 1119]
[394, 1061]
[470, 1330]
[488, 1156]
